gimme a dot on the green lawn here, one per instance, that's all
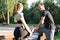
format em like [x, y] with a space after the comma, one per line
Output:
[58, 37]
[6, 24]
[1, 24]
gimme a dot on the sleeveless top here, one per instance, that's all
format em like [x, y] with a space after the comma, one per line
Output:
[18, 16]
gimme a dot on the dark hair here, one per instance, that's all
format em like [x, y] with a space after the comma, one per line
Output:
[41, 3]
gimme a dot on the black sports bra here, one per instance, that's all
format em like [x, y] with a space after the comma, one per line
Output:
[19, 21]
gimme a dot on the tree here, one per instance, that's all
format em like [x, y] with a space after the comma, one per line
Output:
[54, 9]
[10, 5]
[49, 5]
[58, 2]
[34, 13]
[6, 7]
[2, 9]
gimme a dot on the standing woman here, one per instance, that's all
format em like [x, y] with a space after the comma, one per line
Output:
[21, 24]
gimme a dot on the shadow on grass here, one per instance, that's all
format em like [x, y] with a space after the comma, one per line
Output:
[57, 37]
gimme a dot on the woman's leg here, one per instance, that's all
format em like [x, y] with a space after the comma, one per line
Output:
[17, 33]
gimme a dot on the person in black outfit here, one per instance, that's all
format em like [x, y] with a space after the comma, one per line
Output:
[47, 20]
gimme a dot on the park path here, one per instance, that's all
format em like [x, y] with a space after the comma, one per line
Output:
[7, 32]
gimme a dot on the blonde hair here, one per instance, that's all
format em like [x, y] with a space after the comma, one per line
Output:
[17, 7]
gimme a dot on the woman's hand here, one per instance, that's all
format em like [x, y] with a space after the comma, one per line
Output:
[35, 29]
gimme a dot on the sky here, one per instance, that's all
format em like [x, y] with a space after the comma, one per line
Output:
[30, 2]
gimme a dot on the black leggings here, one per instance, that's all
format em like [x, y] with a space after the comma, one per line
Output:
[17, 33]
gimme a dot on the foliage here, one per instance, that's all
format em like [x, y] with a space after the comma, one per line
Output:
[54, 9]
[32, 14]
[5, 6]
[49, 5]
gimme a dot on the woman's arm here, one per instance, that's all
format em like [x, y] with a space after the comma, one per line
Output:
[25, 25]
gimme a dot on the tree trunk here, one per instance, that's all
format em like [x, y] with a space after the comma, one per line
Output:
[7, 12]
[3, 16]
[7, 17]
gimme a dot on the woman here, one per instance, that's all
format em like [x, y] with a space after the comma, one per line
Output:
[19, 31]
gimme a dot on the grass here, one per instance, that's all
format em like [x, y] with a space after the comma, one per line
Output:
[57, 37]
[1, 24]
